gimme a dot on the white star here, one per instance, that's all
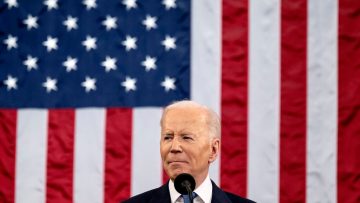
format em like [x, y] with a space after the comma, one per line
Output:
[168, 83]
[169, 43]
[30, 22]
[149, 63]
[11, 42]
[89, 43]
[70, 23]
[129, 43]
[90, 4]
[70, 63]
[50, 84]
[109, 64]
[11, 3]
[129, 4]
[129, 84]
[110, 22]
[89, 84]
[10, 82]
[50, 43]
[169, 4]
[51, 4]
[30, 62]
[150, 22]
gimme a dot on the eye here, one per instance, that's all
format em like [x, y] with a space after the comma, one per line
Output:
[168, 136]
[187, 137]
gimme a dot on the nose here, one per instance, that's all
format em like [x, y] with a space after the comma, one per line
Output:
[175, 146]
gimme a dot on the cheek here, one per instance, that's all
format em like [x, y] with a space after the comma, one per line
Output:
[163, 150]
[203, 155]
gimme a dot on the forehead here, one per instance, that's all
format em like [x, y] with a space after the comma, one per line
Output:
[182, 115]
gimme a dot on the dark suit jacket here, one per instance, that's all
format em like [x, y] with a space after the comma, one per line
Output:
[162, 195]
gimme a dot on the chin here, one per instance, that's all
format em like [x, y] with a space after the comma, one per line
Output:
[175, 172]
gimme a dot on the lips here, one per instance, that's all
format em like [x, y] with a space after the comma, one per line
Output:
[176, 161]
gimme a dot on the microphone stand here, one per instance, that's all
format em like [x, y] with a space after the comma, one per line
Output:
[187, 185]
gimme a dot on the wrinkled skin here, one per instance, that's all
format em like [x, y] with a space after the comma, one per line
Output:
[186, 146]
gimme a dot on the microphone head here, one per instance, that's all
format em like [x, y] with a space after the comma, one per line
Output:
[183, 183]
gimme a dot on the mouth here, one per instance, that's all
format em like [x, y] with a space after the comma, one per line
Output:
[177, 162]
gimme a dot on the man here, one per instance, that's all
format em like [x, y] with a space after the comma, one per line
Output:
[190, 142]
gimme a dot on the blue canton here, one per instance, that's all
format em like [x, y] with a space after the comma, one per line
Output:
[118, 53]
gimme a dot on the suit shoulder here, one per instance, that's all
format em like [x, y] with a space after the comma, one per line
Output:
[224, 196]
[237, 199]
[157, 195]
[143, 197]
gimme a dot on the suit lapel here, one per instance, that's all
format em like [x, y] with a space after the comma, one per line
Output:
[161, 195]
[218, 196]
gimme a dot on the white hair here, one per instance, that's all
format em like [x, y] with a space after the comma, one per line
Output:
[212, 118]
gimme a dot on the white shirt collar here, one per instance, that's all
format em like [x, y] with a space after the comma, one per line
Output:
[204, 191]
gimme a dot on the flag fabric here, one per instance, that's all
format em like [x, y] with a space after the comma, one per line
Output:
[83, 84]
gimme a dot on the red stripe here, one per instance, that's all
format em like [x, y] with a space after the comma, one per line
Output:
[293, 101]
[7, 155]
[60, 156]
[165, 177]
[118, 154]
[234, 100]
[349, 102]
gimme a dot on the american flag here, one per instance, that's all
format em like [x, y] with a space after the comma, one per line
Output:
[83, 84]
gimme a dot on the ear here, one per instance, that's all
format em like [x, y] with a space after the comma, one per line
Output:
[215, 149]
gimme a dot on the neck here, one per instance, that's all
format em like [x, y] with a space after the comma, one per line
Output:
[200, 179]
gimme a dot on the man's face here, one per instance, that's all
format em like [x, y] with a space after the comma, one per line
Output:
[185, 145]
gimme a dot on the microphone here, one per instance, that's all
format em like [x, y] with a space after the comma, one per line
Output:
[185, 184]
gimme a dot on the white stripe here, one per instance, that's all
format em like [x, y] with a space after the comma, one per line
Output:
[146, 166]
[205, 59]
[322, 101]
[31, 150]
[89, 155]
[264, 101]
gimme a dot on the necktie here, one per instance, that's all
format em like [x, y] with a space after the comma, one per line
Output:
[187, 198]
